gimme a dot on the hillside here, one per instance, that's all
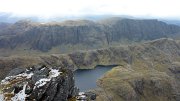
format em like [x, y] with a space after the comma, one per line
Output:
[161, 50]
[145, 71]
[28, 36]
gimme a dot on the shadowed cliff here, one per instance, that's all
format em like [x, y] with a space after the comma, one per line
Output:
[27, 35]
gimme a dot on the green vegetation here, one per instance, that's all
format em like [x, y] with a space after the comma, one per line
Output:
[125, 84]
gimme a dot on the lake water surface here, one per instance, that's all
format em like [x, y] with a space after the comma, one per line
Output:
[85, 79]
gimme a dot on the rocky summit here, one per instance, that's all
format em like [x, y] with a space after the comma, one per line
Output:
[39, 83]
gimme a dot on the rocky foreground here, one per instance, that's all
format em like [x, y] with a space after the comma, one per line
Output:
[39, 84]
[145, 72]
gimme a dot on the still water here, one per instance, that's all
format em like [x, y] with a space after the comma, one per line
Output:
[85, 79]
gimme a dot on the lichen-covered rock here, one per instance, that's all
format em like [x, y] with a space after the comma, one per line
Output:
[39, 83]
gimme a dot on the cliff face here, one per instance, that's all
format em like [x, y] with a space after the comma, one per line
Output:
[44, 37]
[138, 30]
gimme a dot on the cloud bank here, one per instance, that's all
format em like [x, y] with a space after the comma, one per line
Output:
[63, 8]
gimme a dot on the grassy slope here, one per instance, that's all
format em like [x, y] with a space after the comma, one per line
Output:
[143, 75]
[147, 78]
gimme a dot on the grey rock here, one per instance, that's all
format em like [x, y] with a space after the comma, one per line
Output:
[91, 95]
[44, 84]
[44, 37]
[16, 71]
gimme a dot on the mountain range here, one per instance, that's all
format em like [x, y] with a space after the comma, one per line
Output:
[26, 35]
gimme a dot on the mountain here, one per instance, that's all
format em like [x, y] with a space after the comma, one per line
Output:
[28, 35]
[175, 22]
[147, 71]
[138, 30]
[12, 18]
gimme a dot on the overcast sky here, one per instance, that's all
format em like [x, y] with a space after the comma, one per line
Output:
[51, 8]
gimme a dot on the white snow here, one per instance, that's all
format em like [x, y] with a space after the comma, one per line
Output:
[7, 79]
[81, 97]
[21, 96]
[81, 93]
[54, 73]
[43, 68]
[1, 97]
[29, 75]
[41, 82]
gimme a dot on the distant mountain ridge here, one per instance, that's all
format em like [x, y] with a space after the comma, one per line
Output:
[175, 22]
[45, 36]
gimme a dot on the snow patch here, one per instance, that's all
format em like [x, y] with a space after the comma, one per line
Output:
[1, 97]
[81, 93]
[21, 96]
[81, 97]
[41, 82]
[9, 78]
[43, 68]
[54, 73]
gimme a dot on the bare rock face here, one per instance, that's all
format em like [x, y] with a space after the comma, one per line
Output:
[39, 83]
[91, 34]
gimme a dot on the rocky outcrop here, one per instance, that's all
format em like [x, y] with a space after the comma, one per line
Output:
[82, 33]
[39, 83]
